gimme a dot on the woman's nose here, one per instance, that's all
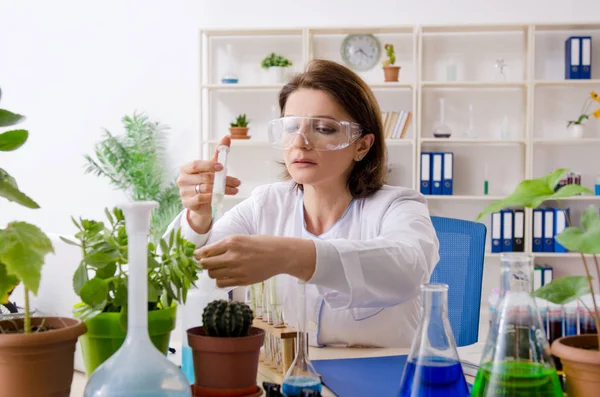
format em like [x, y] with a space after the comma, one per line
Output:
[300, 140]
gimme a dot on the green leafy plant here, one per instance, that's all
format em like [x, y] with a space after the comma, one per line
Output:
[275, 60]
[227, 319]
[240, 121]
[134, 162]
[391, 60]
[532, 193]
[101, 278]
[23, 246]
[585, 110]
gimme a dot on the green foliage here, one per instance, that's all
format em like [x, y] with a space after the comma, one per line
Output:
[227, 319]
[275, 60]
[389, 49]
[532, 193]
[240, 121]
[101, 278]
[134, 162]
[23, 246]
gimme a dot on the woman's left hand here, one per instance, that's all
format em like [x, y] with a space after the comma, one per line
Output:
[240, 260]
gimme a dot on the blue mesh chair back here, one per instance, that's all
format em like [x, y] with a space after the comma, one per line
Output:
[462, 253]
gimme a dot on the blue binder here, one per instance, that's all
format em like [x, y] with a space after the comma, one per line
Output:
[507, 230]
[549, 230]
[437, 173]
[572, 58]
[538, 230]
[425, 173]
[560, 223]
[496, 232]
[586, 57]
[448, 167]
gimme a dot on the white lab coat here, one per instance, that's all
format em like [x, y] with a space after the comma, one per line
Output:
[366, 287]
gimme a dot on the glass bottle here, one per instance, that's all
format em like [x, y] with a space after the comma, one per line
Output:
[229, 77]
[301, 375]
[138, 369]
[440, 129]
[516, 359]
[433, 367]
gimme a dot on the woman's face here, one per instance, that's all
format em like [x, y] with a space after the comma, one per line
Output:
[308, 166]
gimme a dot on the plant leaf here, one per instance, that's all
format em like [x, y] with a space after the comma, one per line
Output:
[70, 242]
[564, 289]
[94, 292]
[123, 318]
[12, 140]
[9, 118]
[107, 271]
[121, 294]
[590, 218]
[99, 259]
[8, 282]
[22, 250]
[10, 191]
[574, 239]
[80, 277]
[84, 312]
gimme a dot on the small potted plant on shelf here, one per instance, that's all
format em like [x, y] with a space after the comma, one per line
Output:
[226, 350]
[575, 127]
[238, 129]
[579, 355]
[37, 353]
[390, 72]
[275, 64]
[101, 282]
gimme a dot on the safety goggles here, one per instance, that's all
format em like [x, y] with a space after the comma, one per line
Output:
[317, 132]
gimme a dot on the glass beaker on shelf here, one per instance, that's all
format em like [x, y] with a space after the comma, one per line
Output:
[440, 129]
[230, 75]
[516, 359]
[433, 367]
[301, 375]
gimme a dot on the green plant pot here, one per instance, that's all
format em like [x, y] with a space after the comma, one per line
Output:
[105, 335]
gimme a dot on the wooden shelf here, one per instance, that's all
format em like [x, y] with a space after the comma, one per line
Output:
[482, 142]
[572, 141]
[565, 83]
[563, 255]
[463, 198]
[473, 84]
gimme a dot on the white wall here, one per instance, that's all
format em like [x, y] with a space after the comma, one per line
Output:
[75, 68]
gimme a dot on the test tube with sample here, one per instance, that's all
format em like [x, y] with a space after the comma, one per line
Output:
[218, 192]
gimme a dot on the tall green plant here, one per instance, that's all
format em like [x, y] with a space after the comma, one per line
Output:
[23, 246]
[135, 163]
[532, 193]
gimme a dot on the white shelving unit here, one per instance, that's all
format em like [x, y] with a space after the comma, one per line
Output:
[519, 120]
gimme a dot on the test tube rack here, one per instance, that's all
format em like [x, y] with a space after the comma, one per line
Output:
[279, 348]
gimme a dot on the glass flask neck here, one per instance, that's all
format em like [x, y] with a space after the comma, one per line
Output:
[515, 273]
[436, 332]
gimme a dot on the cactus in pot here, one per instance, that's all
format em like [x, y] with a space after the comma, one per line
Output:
[227, 319]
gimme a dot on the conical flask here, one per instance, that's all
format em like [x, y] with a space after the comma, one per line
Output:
[441, 129]
[301, 375]
[138, 369]
[433, 367]
[516, 359]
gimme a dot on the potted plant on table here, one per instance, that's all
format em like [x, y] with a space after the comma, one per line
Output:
[226, 350]
[36, 354]
[575, 127]
[390, 72]
[239, 127]
[101, 282]
[579, 355]
[275, 64]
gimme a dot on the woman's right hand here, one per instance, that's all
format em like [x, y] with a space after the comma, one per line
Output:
[201, 173]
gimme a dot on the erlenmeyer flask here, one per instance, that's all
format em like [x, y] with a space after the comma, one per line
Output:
[301, 375]
[433, 367]
[440, 129]
[138, 369]
[516, 359]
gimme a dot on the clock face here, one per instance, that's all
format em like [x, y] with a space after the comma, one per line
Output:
[361, 51]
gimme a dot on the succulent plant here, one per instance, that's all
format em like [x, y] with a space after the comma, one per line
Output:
[227, 319]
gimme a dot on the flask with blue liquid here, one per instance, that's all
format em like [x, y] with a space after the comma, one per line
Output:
[433, 367]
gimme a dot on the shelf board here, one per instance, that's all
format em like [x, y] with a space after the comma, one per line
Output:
[472, 141]
[463, 198]
[468, 28]
[252, 32]
[566, 83]
[260, 143]
[564, 27]
[585, 197]
[406, 86]
[342, 30]
[558, 255]
[571, 141]
[473, 84]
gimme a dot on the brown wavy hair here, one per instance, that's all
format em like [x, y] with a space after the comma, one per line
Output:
[358, 100]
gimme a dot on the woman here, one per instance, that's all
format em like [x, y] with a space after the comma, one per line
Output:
[362, 247]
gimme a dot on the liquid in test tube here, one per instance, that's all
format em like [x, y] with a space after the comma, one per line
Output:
[219, 183]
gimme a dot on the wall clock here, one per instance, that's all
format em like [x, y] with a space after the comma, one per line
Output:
[361, 51]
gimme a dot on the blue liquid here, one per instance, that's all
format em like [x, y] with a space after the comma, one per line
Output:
[229, 81]
[294, 385]
[597, 190]
[187, 363]
[433, 377]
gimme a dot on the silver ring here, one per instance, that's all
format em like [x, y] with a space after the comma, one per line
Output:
[197, 189]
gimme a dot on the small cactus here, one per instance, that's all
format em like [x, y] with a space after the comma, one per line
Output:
[389, 49]
[227, 319]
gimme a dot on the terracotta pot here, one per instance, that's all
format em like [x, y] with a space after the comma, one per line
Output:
[225, 363]
[239, 132]
[580, 360]
[38, 364]
[390, 73]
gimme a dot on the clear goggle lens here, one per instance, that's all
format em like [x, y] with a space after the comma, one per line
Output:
[317, 132]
